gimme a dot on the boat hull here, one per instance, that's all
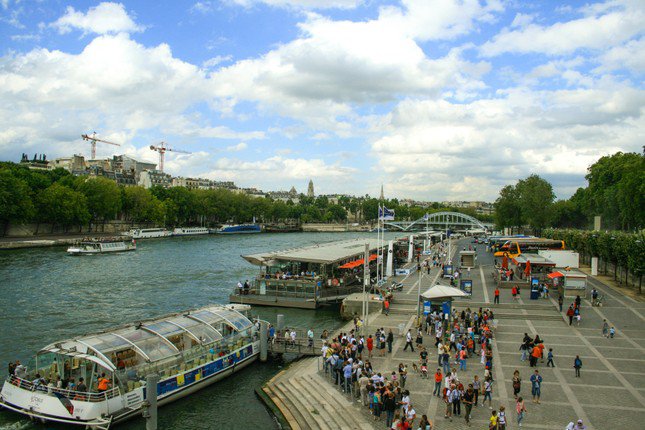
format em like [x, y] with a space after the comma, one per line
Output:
[240, 229]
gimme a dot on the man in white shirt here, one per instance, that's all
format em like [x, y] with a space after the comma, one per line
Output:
[408, 341]
[410, 414]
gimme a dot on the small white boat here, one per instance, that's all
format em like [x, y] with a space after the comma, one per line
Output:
[101, 247]
[188, 350]
[148, 233]
[189, 231]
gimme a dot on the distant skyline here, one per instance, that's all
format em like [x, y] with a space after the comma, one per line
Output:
[436, 99]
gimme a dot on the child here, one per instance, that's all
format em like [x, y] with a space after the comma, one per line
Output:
[612, 332]
[549, 357]
[424, 370]
[578, 318]
[501, 418]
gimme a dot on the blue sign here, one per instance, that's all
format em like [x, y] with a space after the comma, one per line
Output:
[466, 286]
[447, 271]
[445, 307]
[427, 307]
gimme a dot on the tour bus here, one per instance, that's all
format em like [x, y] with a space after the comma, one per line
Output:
[513, 248]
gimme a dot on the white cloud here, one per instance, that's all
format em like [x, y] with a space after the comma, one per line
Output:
[48, 98]
[630, 56]
[604, 28]
[299, 4]
[216, 61]
[105, 18]
[438, 150]
[236, 148]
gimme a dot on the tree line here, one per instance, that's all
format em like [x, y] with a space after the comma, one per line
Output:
[59, 198]
[615, 191]
[623, 250]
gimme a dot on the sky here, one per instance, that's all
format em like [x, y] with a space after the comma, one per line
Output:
[435, 99]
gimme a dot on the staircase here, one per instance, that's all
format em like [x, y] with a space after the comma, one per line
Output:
[308, 401]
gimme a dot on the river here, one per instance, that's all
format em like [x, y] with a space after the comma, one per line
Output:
[46, 296]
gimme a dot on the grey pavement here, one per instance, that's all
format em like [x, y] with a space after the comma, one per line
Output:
[610, 394]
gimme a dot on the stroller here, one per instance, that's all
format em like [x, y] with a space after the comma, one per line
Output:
[598, 300]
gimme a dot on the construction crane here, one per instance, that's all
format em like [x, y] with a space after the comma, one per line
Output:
[93, 139]
[161, 149]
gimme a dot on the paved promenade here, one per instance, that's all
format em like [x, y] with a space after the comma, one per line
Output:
[610, 394]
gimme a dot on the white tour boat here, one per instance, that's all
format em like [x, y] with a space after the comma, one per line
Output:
[189, 231]
[148, 233]
[188, 351]
[101, 247]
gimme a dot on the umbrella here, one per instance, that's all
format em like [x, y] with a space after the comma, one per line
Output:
[555, 275]
[443, 291]
[505, 261]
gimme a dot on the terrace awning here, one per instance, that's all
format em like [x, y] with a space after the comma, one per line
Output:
[555, 275]
[357, 263]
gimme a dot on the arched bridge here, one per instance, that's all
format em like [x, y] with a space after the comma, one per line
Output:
[440, 219]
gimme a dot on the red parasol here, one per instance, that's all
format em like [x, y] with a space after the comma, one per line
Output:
[527, 269]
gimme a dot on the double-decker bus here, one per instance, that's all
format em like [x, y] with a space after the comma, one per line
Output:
[515, 247]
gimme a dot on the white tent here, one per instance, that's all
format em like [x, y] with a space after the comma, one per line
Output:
[443, 291]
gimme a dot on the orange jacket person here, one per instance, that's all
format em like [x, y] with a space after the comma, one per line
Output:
[103, 383]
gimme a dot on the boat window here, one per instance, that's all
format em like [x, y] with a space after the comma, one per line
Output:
[151, 345]
[239, 321]
[202, 331]
[106, 343]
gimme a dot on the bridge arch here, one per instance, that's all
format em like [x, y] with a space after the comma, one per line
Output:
[444, 219]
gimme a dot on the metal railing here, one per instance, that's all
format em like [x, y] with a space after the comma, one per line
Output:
[71, 394]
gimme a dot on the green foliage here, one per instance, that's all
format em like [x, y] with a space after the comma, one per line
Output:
[508, 212]
[59, 204]
[140, 205]
[15, 198]
[103, 197]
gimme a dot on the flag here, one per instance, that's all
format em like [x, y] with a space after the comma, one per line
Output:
[385, 214]
[65, 401]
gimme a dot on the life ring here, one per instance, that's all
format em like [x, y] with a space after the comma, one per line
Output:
[334, 282]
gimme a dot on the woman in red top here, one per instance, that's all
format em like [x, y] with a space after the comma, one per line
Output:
[370, 345]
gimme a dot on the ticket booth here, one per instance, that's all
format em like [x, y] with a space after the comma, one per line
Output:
[467, 259]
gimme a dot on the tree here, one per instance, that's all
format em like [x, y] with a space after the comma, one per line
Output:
[565, 214]
[58, 204]
[508, 212]
[103, 198]
[15, 199]
[141, 206]
[535, 197]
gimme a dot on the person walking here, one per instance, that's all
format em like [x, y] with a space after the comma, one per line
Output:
[468, 398]
[477, 388]
[408, 341]
[570, 314]
[501, 418]
[390, 340]
[370, 346]
[560, 302]
[520, 408]
[605, 328]
[536, 385]
[517, 383]
[496, 300]
[549, 358]
[386, 307]
[488, 393]
[493, 422]
[438, 377]
[577, 364]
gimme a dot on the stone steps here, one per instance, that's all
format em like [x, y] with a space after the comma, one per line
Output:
[327, 413]
[346, 409]
[277, 399]
[306, 408]
[291, 408]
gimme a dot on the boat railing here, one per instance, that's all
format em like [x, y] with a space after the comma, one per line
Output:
[70, 394]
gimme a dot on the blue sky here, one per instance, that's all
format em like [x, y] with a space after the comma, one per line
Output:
[436, 99]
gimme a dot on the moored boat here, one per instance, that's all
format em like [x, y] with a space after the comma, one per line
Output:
[239, 228]
[105, 246]
[148, 233]
[189, 231]
[102, 376]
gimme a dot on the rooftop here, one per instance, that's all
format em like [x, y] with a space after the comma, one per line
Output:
[324, 253]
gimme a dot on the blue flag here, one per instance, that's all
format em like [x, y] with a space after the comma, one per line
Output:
[385, 214]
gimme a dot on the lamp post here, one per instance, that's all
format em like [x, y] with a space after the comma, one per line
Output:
[419, 295]
[366, 283]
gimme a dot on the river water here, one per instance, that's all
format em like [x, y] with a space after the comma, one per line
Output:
[47, 296]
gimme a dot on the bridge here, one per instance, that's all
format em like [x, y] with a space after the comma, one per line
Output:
[443, 220]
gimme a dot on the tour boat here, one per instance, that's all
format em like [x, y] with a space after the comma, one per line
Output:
[239, 228]
[148, 233]
[188, 350]
[101, 247]
[189, 231]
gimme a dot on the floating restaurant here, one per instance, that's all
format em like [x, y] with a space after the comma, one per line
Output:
[312, 276]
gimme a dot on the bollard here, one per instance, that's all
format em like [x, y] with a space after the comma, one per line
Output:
[279, 324]
[150, 404]
[264, 341]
